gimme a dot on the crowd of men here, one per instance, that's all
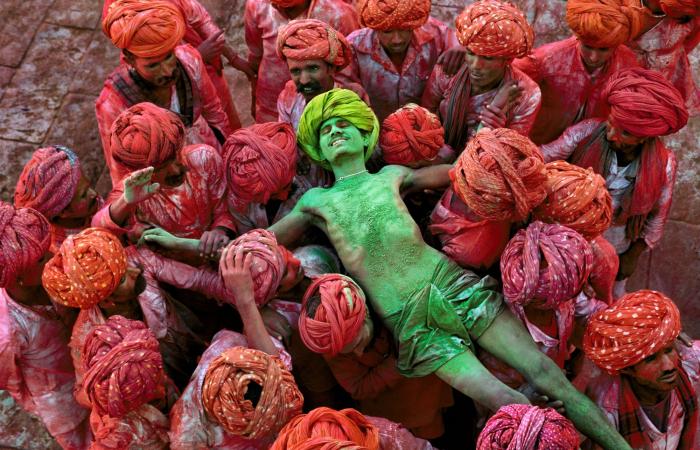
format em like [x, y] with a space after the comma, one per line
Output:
[423, 241]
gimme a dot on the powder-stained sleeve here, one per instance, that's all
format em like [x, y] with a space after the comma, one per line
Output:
[563, 147]
[522, 116]
[253, 33]
[362, 381]
[435, 90]
[653, 229]
[393, 436]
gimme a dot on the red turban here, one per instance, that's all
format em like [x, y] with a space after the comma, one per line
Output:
[313, 39]
[286, 3]
[327, 443]
[500, 175]
[644, 103]
[603, 23]
[680, 9]
[88, 267]
[49, 180]
[339, 316]
[226, 384]
[145, 28]
[146, 135]
[606, 264]
[260, 161]
[638, 325]
[389, 15]
[144, 428]
[411, 134]
[494, 28]
[347, 425]
[527, 427]
[576, 198]
[545, 262]
[24, 238]
[123, 366]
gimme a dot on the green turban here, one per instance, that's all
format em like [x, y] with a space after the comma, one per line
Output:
[335, 103]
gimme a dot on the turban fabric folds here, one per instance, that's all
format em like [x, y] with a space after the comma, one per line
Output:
[227, 381]
[494, 28]
[680, 9]
[603, 23]
[48, 181]
[576, 198]
[145, 28]
[88, 267]
[146, 135]
[144, 428]
[286, 3]
[527, 427]
[644, 104]
[24, 238]
[410, 135]
[346, 425]
[389, 15]
[568, 262]
[260, 161]
[123, 367]
[500, 175]
[335, 103]
[313, 39]
[638, 325]
[338, 317]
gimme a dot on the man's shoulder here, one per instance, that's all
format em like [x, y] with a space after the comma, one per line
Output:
[362, 40]
[202, 158]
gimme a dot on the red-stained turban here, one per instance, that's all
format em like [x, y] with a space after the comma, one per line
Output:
[389, 15]
[576, 198]
[123, 366]
[638, 325]
[680, 9]
[145, 28]
[603, 23]
[500, 175]
[338, 317]
[527, 427]
[347, 425]
[144, 428]
[327, 443]
[49, 180]
[411, 134]
[268, 263]
[86, 270]
[260, 161]
[606, 264]
[286, 3]
[545, 262]
[146, 135]
[24, 238]
[494, 28]
[227, 381]
[644, 103]
[313, 39]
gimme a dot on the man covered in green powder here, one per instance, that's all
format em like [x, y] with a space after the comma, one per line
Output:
[433, 307]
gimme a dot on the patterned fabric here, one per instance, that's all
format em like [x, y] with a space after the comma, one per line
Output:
[389, 15]
[24, 238]
[313, 39]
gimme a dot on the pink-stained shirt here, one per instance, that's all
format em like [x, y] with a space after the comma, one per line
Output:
[393, 436]
[569, 92]
[36, 369]
[653, 228]
[262, 21]
[388, 88]
[191, 428]
[120, 92]
[188, 210]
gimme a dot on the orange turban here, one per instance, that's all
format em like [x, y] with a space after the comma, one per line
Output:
[146, 135]
[338, 317]
[260, 161]
[638, 325]
[411, 134]
[388, 15]
[24, 238]
[327, 443]
[312, 39]
[145, 28]
[500, 175]
[576, 198]
[603, 23]
[347, 425]
[123, 366]
[226, 384]
[680, 9]
[494, 28]
[86, 270]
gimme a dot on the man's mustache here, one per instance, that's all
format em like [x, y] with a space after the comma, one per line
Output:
[314, 86]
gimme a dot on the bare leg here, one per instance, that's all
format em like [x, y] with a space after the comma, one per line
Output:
[466, 374]
[508, 340]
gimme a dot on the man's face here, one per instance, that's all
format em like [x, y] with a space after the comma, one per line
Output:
[395, 42]
[311, 76]
[84, 202]
[594, 58]
[171, 173]
[358, 345]
[621, 139]
[485, 72]
[126, 289]
[339, 137]
[658, 372]
[159, 71]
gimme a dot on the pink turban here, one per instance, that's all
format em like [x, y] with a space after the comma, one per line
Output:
[313, 39]
[389, 15]
[24, 238]
[411, 134]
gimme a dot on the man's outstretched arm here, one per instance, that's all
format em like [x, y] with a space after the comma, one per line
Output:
[290, 228]
[431, 177]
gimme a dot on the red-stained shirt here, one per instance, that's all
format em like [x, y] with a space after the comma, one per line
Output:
[120, 92]
[569, 92]
[262, 21]
[388, 88]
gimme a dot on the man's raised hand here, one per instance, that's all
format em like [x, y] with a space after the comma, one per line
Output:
[138, 186]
